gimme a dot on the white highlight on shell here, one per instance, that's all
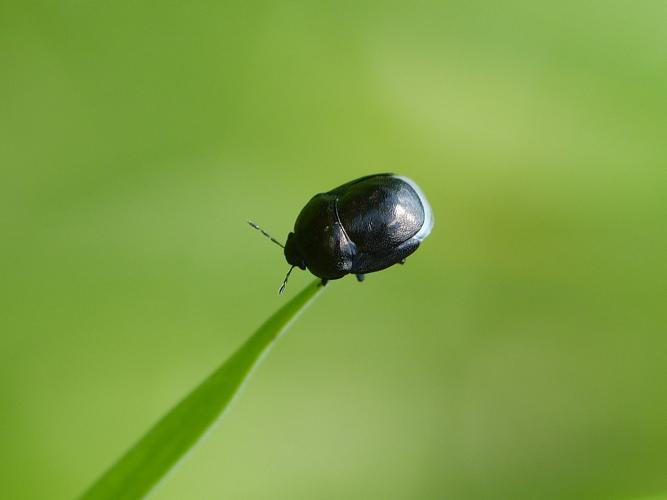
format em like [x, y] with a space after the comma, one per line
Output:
[399, 210]
[429, 220]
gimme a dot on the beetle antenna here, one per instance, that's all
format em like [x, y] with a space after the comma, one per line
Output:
[255, 226]
[282, 287]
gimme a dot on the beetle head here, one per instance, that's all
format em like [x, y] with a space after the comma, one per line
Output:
[293, 254]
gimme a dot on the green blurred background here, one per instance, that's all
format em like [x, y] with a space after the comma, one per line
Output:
[520, 353]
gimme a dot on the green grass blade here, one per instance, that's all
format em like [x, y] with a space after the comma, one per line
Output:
[150, 459]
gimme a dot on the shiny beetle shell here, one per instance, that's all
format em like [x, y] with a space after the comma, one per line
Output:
[363, 226]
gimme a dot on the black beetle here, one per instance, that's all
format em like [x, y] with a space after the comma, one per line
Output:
[363, 226]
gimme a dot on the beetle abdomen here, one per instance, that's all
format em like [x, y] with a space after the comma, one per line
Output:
[380, 212]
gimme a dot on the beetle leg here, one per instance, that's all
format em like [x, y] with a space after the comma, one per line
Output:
[360, 277]
[401, 262]
[324, 282]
